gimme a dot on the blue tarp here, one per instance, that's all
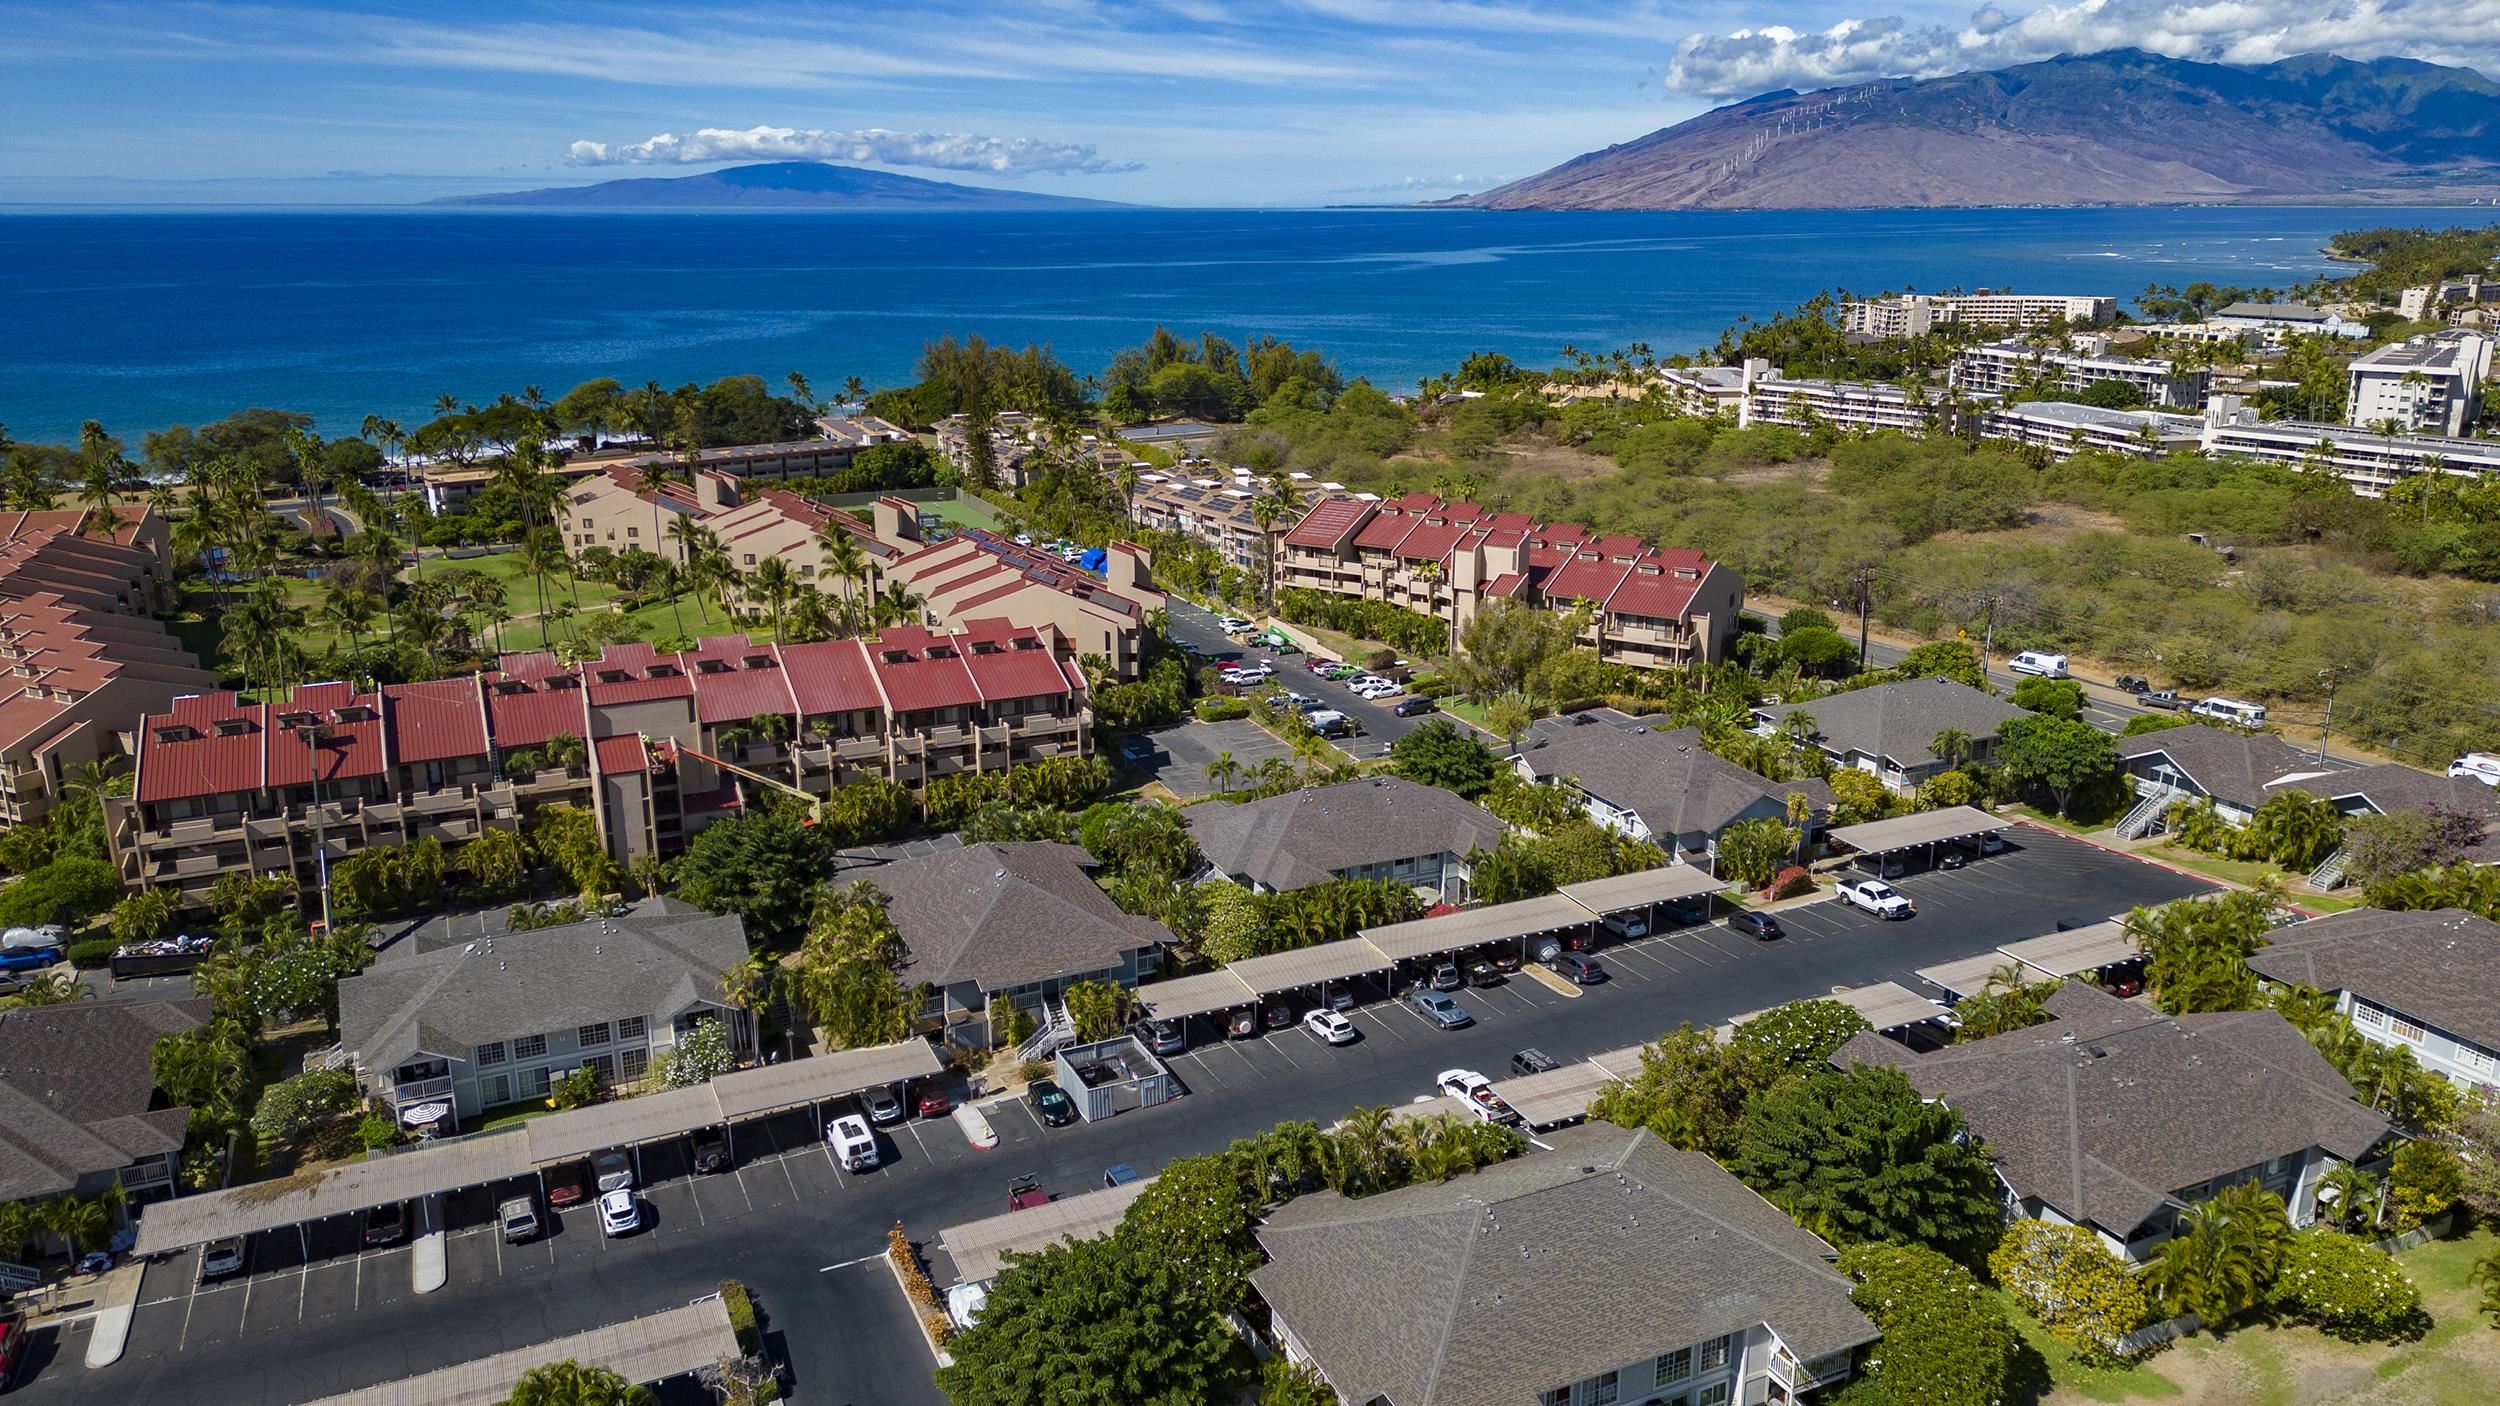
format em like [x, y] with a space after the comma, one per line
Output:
[1094, 559]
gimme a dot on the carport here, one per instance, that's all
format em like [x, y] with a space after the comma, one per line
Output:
[1965, 978]
[1279, 972]
[1645, 891]
[1888, 1005]
[1623, 1064]
[979, 1249]
[1203, 994]
[1475, 927]
[1925, 830]
[2077, 950]
[579, 1132]
[304, 1199]
[1557, 1095]
[670, 1343]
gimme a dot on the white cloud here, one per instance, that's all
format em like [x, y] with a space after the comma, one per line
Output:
[1751, 61]
[943, 151]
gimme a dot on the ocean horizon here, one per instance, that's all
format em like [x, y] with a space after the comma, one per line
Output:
[145, 318]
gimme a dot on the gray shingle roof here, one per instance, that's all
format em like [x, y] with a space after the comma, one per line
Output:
[1001, 915]
[1898, 720]
[2441, 967]
[449, 999]
[1675, 784]
[1487, 1289]
[2138, 1106]
[1299, 838]
[2228, 764]
[2388, 788]
[78, 1091]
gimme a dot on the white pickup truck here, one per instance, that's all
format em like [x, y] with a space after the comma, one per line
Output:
[1876, 897]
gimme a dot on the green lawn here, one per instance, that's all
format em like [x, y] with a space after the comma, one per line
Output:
[520, 588]
[965, 512]
[2245, 872]
[2069, 1376]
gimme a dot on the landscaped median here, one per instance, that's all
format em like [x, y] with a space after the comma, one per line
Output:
[913, 1278]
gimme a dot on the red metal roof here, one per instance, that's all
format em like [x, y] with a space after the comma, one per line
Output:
[1506, 584]
[352, 748]
[831, 676]
[1664, 597]
[1008, 663]
[649, 674]
[1386, 530]
[525, 710]
[186, 752]
[437, 721]
[735, 681]
[919, 670]
[1431, 541]
[614, 756]
[1584, 579]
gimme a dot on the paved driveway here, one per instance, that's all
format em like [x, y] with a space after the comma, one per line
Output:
[1179, 753]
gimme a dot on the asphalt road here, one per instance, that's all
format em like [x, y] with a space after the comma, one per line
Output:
[1381, 727]
[806, 1235]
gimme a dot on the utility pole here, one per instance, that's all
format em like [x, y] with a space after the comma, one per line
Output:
[314, 734]
[1865, 573]
[2330, 677]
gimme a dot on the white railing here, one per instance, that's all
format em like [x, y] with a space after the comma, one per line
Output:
[2147, 813]
[1058, 1032]
[2330, 875]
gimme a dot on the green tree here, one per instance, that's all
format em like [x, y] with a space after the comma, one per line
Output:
[1946, 659]
[848, 974]
[700, 1055]
[2087, 1297]
[291, 1106]
[1857, 797]
[67, 891]
[1947, 1341]
[1442, 754]
[1819, 650]
[1750, 852]
[573, 1383]
[2056, 698]
[1094, 1323]
[1860, 1156]
[1098, 1008]
[2346, 1289]
[2424, 1180]
[762, 867]
[1197, 1218]
[1800, 1035]
[2295, 829]
[2058, 754]
[1691, 1091]
[2198, 950]
[2223, 1254]
[144, 916]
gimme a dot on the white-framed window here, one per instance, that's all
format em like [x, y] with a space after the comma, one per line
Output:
[1554, 1396]
[495, 1089]
[2275, 1166]
[529, 1047]
[533, 1083]
[630, 1028]
[2405, 1030]
[1714, 1394]
[492, 1052]
[1604, 1391]
[1674, 1366]
[2368, 1016]
[1714, 1354]
[593, 1035]
[635, 1062]
[606, 1065]
[2479, 1061]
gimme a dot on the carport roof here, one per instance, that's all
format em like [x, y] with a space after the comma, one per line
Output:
[1309, 966]
[2078, 950]
[649, 1349]
[1557, 1095]
[578, 1132]
[793, 1082]
[1622, 1064]
[1887, 1005]
[336, 1191]
[1909, 831]
[1663, 885]
[1429, 937]
[979, 1248]
[1967, 977]
[1196, 995]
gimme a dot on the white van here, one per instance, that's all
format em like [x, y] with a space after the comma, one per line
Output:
[853, 1143]
[2232, 711]
[2032, 661]
[2477, 766]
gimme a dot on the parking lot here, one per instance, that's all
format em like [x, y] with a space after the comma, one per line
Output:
[1179, 753]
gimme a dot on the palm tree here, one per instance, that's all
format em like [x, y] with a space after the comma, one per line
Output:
[2355, 1196]
[2485, 1275]
[542, 556]
[84, 1222]
[1223, 770]
[774, 581]
[2296, 829]
[898, 604]
[1365, 1145]
[1951, 746]
[843, 558]
[854, 392]
[574, 1383]
[349, 607]
[100, 466]
[51, 989]
[2223, 1254]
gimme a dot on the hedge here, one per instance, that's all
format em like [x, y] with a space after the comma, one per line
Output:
[93, 952]
[1409, 631]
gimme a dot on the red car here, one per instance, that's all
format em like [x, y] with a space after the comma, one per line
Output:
[933, 1102]
[568, 1185]
[1024, 1193]
[12, 1345]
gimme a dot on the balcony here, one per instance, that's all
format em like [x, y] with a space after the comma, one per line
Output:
[1799, 1376]
[200, 830]
[859, 749]
[413, 1091]
[443, 802]
[190, 865]
[995, 735]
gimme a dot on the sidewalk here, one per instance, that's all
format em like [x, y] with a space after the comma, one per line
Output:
[117, 1300]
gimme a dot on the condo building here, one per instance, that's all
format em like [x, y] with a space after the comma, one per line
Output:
[2015, 367]
[2429, 385]
[1916, 314]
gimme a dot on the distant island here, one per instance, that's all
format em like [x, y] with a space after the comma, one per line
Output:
[782, 185]
[2118, 128]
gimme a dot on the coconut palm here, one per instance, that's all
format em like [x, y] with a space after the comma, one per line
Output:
[2296, 830]
[774, 581]
[843, 559]
[543, 556]
[51, 989]
[1951, 746]
[1364, 1149]
[574, 1383]
[897, 604]
[349, 607]
[2355, 1193]
[1223, 770]
[2222, 1255]
[100, 468]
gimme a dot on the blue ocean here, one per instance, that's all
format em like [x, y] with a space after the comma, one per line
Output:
[147, 319]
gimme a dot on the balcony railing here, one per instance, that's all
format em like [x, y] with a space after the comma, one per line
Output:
[408, 1091]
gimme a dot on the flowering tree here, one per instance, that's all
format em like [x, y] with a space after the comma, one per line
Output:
[2086, 1296]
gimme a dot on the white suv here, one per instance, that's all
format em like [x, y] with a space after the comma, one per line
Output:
[2477, 766]
[1876, 897]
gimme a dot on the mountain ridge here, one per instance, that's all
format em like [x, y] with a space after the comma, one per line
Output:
[782, 185]
[2118, 127]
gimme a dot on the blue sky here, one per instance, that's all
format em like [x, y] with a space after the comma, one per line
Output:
[1201, 102]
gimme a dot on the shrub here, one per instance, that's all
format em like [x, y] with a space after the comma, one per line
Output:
[1946, 1339]
[1033, 1071]
[1222, 709]
[92, 953]
[577, 1088]
[2347, 1289]
[2085, 1296]
[375, 1131]
[290, 1106]
[1791, 882]
[2425, 1179]
[742, 1316]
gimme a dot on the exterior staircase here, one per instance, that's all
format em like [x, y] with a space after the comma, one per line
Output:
[1057, 1032]
[2329, 876]
[2148, 812]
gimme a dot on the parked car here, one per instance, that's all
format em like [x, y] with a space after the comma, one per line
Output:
[1051, 1104]
[568, 1185]
[1024, 1193]
[883, 1106]
[1161, 1036]
[853, 1143]
[2132, 683]
[1505, 958]
[711, 1150]
[1447, 977]
[1411, 707]
[2164, 698]
[1242, 1023]
[618, 1215]
[1339, 998]
[386, 1224]
[933, 1102]
[1533, 1061]
[12, 1345]
[2232, 712]
[2039, 664]
[1983, 844]
[1320, 666]
[1440, 1010]
[1482, 973]
[518, 1218]
[1276, 1015]
[1328, 722]
[614, 1170]
[1119, 1174]
[2477, 766]
[1952, 859]
[1578, 970]
[1761, 927]
[221, 1259]
[1476, 1092]
[1331, 1027]
[1876, 897]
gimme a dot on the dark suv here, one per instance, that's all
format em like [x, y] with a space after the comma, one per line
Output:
[1578, 970]
[1533, 1061]
[1761, 927]
[386, 1224]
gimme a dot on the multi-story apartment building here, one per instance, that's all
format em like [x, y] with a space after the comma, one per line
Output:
[615, 509]
[227, 786]
[1916, 314]
[2424, 982]
[1709, 390]
[1650, 607]
[2434, 299]
[2270, 324]
[979, 574]
[2427, 385]
[1382, 827]
[80, 1112]
[1857, 406]
[1011, 444]
[2065, 428]
[2015, 366]
[1217, 506]
[448, 1025]
[2367, 459]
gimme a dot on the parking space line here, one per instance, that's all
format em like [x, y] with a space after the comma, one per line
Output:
[1280, 1052]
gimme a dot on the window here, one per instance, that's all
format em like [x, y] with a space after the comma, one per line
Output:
[594, 1034]
[1714, 1394]
[634, 1063]
[633, 532]
[2479, 1061]
[1555, 1396]
[2368, 1016]
[529, 1047]
[533, 1083]
[2404, 1030]
[630, 1028]
[1603, 1391]
[492, 1052]
[1714, 1354]
[1675, 1366]
[606, 1065]
[495, 1089]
